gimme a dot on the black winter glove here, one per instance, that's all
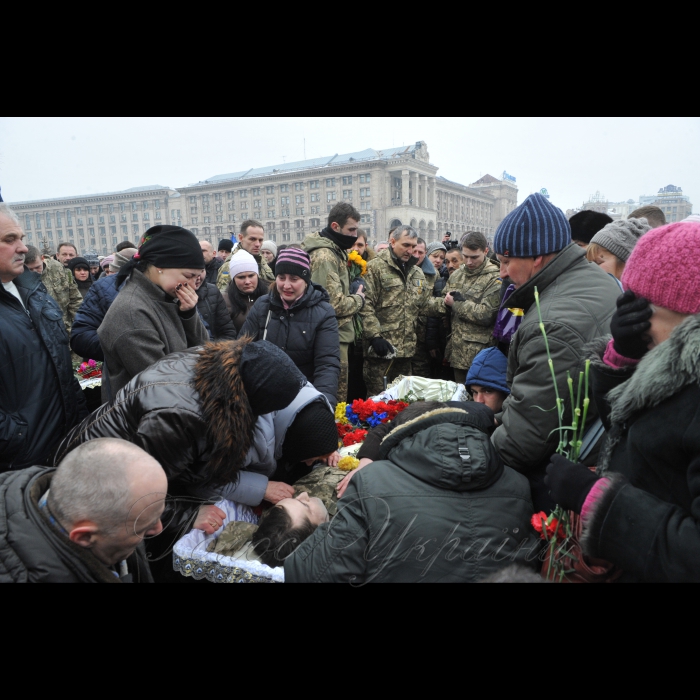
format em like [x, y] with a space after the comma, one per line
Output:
[381, 347]
[355, 286]
[569, 484]
[458, 296]
[629, 325]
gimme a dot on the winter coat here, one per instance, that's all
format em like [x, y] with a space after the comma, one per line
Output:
[173, 411]
[61, 285]
[239, 304]
[578, 300]
[212, 270]
[143, 326]
[224, 276]
[40, 398]
[329, 269]
[33, 551]
[308, 333]
[262, 461]
[439, 507]
[438, 329]
[395, 296]
[84, 340]
[212, 309]
[648, 521]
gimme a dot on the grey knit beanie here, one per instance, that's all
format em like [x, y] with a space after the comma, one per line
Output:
[435, 246]
[270, 246]
[121, 259]
[621, 237]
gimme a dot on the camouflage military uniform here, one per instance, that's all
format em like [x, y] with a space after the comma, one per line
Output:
[421, 359]
[224, 277]
[395, 298]
[60, 284]
[473, 320]
[329, 268]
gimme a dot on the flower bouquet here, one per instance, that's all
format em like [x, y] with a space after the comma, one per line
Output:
[89, 373]
[356, 420]
[357, 268]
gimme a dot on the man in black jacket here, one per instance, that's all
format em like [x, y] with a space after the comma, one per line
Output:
[211, 261]
[86, 521]
[40, 399]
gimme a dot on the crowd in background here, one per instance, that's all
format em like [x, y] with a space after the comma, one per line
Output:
[224, 372]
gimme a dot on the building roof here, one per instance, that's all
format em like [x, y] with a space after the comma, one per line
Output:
[488, 180]
[367, 155]
[133, 190]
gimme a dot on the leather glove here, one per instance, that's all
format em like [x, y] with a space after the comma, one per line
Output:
[629, 325]
[381, 347]
[458, 296]
[569, 483]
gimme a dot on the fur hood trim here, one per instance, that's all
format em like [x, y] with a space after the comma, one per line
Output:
[663, 373]
[225, 408]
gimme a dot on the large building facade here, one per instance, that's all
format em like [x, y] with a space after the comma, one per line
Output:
[392, 187]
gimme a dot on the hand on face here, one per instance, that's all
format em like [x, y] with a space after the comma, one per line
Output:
[187, 296]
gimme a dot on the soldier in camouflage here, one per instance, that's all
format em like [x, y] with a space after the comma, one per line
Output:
[328, 251]
[421, 360]
[252, 238]
[472, 296]
[396, 293]
[59, 283]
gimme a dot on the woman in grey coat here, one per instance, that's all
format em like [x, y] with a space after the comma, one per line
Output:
[155, 313]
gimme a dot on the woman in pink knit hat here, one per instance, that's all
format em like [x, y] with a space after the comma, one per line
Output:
[642, 511]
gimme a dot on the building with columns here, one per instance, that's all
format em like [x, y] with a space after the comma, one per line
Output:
[391, 187]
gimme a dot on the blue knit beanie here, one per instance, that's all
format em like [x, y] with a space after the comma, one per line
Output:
[535, 228]
[489, 370]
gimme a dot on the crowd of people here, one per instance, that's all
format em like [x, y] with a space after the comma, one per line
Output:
[224, 372]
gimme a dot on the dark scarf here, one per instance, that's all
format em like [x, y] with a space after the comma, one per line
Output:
[343, 242]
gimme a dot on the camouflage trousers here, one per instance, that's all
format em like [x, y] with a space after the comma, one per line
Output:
[376, 370]
[344, 372]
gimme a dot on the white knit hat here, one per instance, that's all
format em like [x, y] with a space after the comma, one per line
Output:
[243, 262]
[270, 245]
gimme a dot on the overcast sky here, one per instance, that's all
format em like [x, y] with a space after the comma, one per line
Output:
[573, 157]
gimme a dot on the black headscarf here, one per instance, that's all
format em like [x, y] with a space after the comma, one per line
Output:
[169, 247]
[342, 241]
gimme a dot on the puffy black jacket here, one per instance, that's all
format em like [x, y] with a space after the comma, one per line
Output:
[439, 508]
[213, 271]
[648, 521]
[40, 398]
[212, 308]
[32, 551]
[308, 333]
[84, 340]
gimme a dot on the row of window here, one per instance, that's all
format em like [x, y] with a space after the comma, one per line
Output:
[272, 189]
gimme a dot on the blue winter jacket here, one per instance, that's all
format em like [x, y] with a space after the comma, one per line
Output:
[84, 340]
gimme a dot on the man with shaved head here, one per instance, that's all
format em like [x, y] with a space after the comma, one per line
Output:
[84, 522]
[211, 262]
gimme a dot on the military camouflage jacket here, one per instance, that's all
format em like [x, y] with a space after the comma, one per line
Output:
[224, 277]
[60, 284]
[473, 320]
[329, 268]
[394, 301]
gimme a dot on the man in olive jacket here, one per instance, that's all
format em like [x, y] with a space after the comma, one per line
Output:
[328, 251]
[578, 299]
[437, 506]
[252, 238]
[396, 293]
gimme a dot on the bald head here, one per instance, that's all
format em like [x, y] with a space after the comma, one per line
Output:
[108, 495]
[208, 251]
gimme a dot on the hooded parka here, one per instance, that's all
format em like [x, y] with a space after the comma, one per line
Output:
[40, 398]
[307, 332]
[439, 507]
